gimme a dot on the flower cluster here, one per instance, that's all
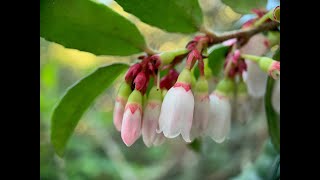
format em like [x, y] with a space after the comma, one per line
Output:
[180, 104]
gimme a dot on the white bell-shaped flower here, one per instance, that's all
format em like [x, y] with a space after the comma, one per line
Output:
[177, 109]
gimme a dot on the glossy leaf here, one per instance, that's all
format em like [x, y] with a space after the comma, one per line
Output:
[217, 55]
[273, 118]
[183, 16]
[245, 6]
[89, 26]
[77, 100]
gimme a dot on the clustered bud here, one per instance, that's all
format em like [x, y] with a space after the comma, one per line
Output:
[180, 103]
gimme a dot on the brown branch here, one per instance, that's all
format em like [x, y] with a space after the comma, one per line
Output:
[243, 34]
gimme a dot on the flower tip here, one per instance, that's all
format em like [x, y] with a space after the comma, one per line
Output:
[275, 70]
[275, 74]
[219, 139]
[276, 14]
[147, 143]
[118, 127]
[159, 140]
[128, 140]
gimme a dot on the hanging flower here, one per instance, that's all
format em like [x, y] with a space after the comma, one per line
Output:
[151, 117]
[177, 108]
[201, 108]
[242, 106]
[121, 100]
[131, 123]
[220, 111]
[255, 78]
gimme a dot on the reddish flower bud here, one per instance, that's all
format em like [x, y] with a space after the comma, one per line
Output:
[169, 80]
[173, 75]
[242, 66]
[133, 72]
[141, 82]
[248, 23]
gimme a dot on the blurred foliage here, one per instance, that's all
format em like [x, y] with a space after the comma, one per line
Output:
[96, 151]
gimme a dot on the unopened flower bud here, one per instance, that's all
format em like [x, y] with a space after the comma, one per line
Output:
[133, 72]
[270, 66]
[121, 100]
[131, 123]
[168, 81]
[275, 15]
[141, 82]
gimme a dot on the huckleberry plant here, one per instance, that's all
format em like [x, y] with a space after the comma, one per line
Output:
[190, 91]
[180, 103]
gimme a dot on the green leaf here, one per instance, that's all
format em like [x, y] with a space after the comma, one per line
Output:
[89, 26]
[76, 100]
[216, 57]
[183, 16]
[245, 6]
[273, 118]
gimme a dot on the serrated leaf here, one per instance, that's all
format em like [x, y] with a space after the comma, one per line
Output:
[245, 6]
[216, 57]
[76, 101]
[183, 16]
[89, 26]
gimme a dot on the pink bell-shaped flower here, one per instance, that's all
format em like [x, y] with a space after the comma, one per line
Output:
[120, 104]
[177, 108]
[220, 111]
[151, 117]
[131, 123]
[201, 109]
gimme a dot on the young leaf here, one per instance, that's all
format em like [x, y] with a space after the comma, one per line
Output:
[216, 57]
[89, 26]
[76, 100]
[245, 6]
[183, 16]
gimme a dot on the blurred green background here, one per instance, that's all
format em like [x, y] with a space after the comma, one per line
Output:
[96, 151]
